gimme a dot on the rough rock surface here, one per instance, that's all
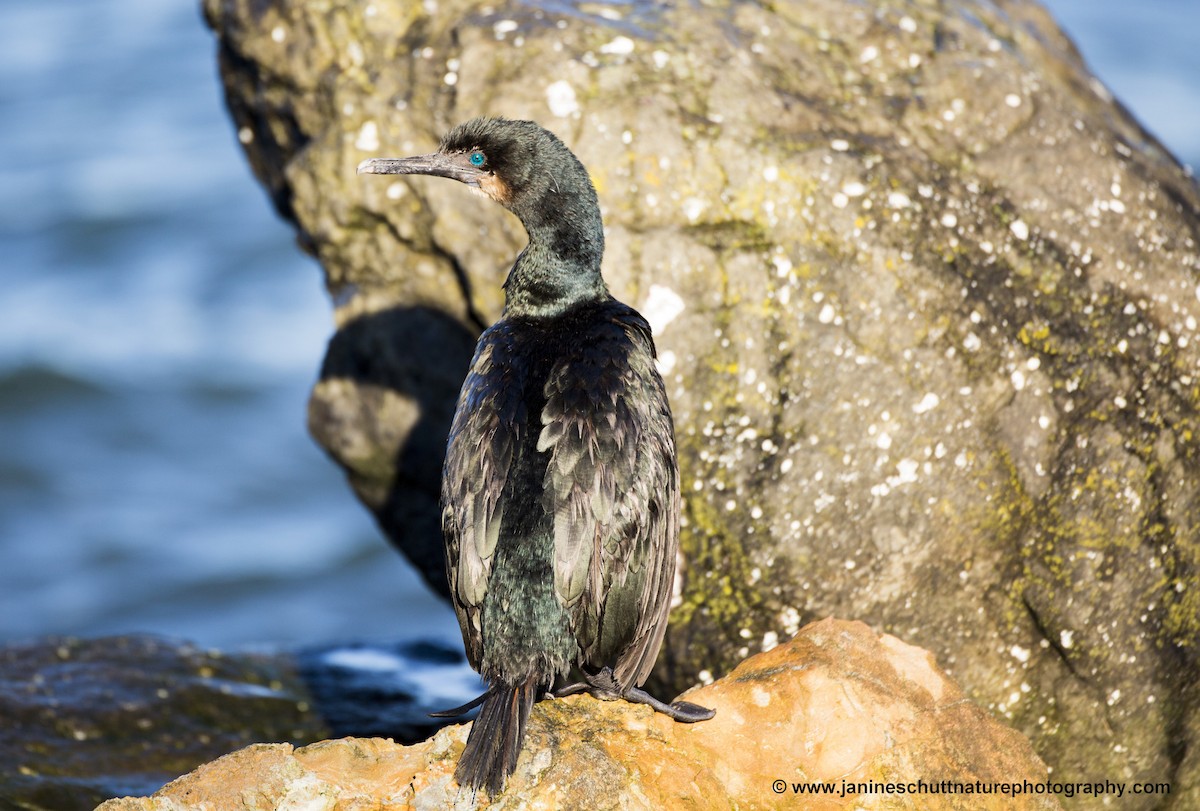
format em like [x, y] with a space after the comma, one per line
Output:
[926, 299]
[82, 720]
[837, 703]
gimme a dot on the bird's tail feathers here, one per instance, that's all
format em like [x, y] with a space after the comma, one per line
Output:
[496, 736]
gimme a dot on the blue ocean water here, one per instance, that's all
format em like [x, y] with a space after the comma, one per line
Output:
[159, 332]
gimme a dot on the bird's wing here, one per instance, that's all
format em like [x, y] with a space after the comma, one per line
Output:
[612, 486]
[483, 442]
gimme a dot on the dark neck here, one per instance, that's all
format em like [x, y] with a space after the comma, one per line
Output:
[560, 267]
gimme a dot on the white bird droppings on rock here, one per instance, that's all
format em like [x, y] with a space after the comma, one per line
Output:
[621, 46]
[560, 97]
[928, 403]
[907, 471]
[368, 137]
[665, 363]
[662, 306]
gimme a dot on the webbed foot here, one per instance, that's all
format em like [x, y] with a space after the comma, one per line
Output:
[603, 686]
[683, 711]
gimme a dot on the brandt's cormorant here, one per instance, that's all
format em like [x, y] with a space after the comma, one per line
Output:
[560, 490]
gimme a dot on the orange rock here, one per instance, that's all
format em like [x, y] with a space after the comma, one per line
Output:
[838, 706]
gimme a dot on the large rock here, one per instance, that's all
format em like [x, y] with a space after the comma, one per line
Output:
[926, 300]
[837, 705]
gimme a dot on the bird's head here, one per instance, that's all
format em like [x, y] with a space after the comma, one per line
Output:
[509, 161]
[529, 171]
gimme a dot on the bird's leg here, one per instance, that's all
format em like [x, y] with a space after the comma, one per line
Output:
[571, 689]
[462, 710]
[683, 711]
[602, 685]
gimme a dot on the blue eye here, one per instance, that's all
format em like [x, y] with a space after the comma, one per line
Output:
[476, 159]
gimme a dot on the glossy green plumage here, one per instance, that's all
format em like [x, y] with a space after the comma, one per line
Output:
[560, 488]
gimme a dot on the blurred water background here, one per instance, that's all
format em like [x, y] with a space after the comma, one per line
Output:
[159, 332]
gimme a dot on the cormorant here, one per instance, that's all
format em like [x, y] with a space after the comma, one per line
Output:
[560, 489]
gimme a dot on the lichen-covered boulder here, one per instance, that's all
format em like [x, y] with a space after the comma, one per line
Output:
[926, 300]
[836, 719]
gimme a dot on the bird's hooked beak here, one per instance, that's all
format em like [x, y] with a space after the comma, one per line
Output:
[454, 166]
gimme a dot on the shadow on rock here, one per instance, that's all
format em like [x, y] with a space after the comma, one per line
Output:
[406, 363]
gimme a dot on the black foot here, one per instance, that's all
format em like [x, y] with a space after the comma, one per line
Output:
[457, 711]
[683, 711]
[603, 686]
